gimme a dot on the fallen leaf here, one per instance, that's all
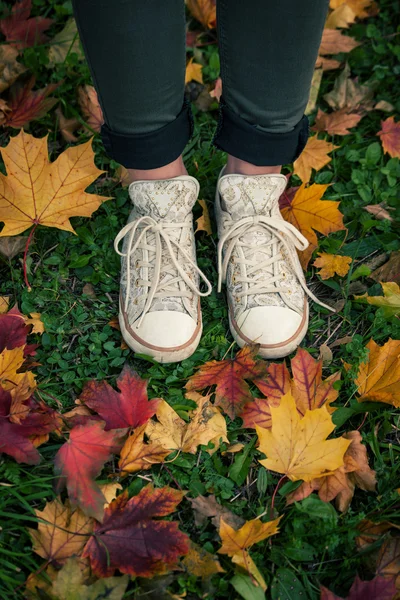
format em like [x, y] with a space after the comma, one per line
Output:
[389, 302]
[25, 105]
[314, 89]
[21, 30]
[62, 531]
[203, 11]
[377, 588]
[326, 64]
[308, 213]
[388, 562]
[11, 246]
[379, 211]
[193, 72]
[66, 126]
[4, 305]
[390, 137]
[336, 123]
[208, 506]
[90, 107]
[348, 94]
[200, 563]
[325, 354]
[204, 222]
[232, 392]
[332, 264]
[314, 156]
[276, 382]
[10, 68]
[217, 91]
[13, 330]
[131, 540]
[64, 43]
[390, 271]
[297, 446]
[37, 324]
[130, 407]
[378, 377]
[11, 361]
[258, 412]
[335, 42]
[345, 12]
[109, 491]
[47, 193]
[136, 455]
[80, 460]
[384, 105]
[371, 532]
[173, 433]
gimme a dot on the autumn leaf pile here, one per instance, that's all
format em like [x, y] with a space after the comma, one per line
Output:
[224, 476]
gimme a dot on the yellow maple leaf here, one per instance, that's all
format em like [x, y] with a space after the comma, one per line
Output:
[378, 378]
[308, 213]
[332, 264]
[38, 192]
[193, 72]
[314, 156]
[345, 12]
[201, 563]
[389, 302]
[297, 446]
[10, 362]
[4, 304]
[172, 433]
[204, 222]
[204, 11]
[36, 322]
[62, 532]
[136, 455]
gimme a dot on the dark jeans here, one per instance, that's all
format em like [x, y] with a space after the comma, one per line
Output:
[136, 54]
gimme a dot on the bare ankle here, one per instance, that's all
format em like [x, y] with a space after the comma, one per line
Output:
[241, 167]
[173, 169]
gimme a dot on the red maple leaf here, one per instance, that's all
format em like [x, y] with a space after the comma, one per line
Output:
[81, 459]
[232, 392]
[21, 30]
[14, 437]
[13, 332]
[131, 540]
[276, 383]
[377, 588]
[258, 412]
[129, 408]
[390, 137]
[26, 105]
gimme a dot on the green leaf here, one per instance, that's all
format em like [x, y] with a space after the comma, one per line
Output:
[240, 467]
[374, 153]
[285, 585]
[246, 588]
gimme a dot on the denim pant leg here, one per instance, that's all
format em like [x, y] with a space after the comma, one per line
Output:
[135, 50]
[268, 50]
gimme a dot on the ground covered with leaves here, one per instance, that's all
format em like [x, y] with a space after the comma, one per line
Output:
[223, 476]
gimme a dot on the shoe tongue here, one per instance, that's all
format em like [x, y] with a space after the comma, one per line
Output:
[249, 195]
[165, 198]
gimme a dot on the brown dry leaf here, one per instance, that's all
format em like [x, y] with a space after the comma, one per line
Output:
[204, 11]
[10, 68]
[336, 123]
[348, 94]
[388, 563]
[200, 563]
[389, 302]
[19, 395]
[88, 290]
[378, 378]
[122, 176]
[4, 304]
[136, 455]
[204, 222]
[390, 137]
[326, 64]
[207, 506]
[38, 192]
[314, 156]
[90, 107]
[314, 90]
[335, 42]
[193, 72]
[297, 446]
[332, 264]
[390, 271]
[62, 532]
[371, 532]
[384, 106]
[379, 211]
[172, 433]
[11, 246]
[64, 43]
[67, 126]
[308, 213]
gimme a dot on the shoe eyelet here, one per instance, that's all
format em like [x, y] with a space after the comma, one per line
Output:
[137, 264]
[137, 282]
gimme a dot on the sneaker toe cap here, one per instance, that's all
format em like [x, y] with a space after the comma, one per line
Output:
[165, 329]
[270, 325]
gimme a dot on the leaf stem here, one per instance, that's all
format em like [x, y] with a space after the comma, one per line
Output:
[274, 494]
[28, 241]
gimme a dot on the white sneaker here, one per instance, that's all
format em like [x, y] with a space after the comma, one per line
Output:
[160, 311]
[257, 259]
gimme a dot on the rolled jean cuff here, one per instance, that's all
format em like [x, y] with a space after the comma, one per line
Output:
[243, 140]
[153, 149]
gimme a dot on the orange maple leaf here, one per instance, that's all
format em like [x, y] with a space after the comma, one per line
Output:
[314, 156]
[232, 392]
[390, 137]
[336, 123]
[309, 214]
[204, 11]
[90, 106]
[25, 105]
[193, 72]
[204, 222]
[332, 264]
[334, 41]
[378, 378]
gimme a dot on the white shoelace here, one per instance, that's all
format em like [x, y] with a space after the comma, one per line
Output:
[171, 287]
[275, 227]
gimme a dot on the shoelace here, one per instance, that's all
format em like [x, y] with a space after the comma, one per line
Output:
[160, 231]
[275, 227]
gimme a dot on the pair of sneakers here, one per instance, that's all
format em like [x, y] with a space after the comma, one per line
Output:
[160, 313]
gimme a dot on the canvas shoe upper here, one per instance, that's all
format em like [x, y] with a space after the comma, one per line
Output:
[257, 258]
[160, 297]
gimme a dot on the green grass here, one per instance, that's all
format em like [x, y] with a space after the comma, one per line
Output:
[316, 544]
